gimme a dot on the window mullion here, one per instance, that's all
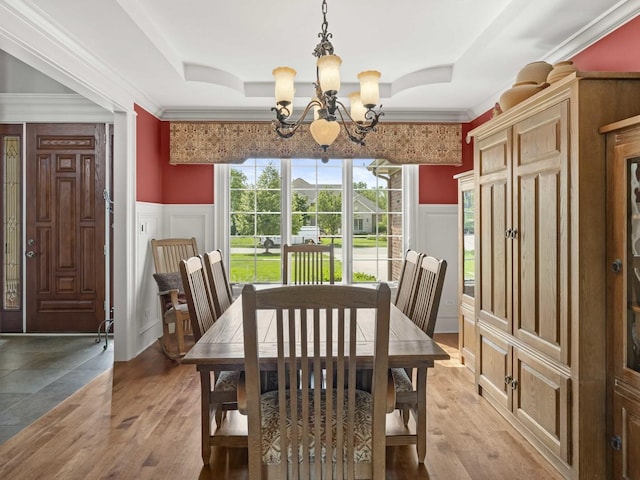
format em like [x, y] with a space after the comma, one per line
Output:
[285, 200]
[347, 220]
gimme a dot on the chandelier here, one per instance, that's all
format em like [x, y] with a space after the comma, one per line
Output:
[327, 109]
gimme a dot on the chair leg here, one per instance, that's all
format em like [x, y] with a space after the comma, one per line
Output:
[421, 417]
[205, 414]
[405, 415]
[164, 343]
[219, 414]
[180, 336]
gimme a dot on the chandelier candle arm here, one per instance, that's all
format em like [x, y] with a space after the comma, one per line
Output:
[327, 109]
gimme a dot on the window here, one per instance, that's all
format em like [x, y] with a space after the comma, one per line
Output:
[271, 202]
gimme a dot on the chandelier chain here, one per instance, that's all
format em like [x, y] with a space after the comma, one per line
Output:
[325, 47]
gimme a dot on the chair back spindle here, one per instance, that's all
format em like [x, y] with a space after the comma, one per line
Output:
[218, 281]
[407, 282]
[307, 264]
[427, 293]
[201, 308]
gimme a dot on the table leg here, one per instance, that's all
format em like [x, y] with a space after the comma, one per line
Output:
[205, 414]
[421, 420]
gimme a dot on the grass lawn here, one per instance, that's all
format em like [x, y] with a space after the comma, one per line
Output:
[469, 264]
[267, 268]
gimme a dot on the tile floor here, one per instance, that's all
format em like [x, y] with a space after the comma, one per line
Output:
[39, 372]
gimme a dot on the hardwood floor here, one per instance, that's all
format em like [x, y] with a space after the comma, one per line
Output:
[141, 420]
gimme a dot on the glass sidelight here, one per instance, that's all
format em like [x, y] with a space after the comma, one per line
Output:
[11, 221]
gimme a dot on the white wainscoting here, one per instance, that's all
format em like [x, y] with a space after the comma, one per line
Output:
[437, 235]
[163, 221]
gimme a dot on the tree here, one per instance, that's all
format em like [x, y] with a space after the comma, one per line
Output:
[268, 201]
[299, 204]
[329, 202]
[241, 198]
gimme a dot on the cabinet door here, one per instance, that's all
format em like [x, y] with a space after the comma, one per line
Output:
[623, 303]
[493, 166]
[626, 419]
[623, 240]
[494, 368]
[541, 401]
[540, 221]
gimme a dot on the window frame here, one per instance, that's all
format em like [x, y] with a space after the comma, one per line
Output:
[222, 206]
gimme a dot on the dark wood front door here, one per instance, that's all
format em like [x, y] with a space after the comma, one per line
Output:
[65, 227]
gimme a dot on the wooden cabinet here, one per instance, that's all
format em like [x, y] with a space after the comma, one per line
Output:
[540, 237]
[532, 390]
[623, 302]
[466, 270]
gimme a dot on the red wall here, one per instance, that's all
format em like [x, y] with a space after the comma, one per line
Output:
[436, 183]
[156, 180]
[148, 157]
[617, 52]
[159, 182]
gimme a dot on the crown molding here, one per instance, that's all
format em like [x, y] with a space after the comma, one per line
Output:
[51, 108]
[266, 115]
[600, 27]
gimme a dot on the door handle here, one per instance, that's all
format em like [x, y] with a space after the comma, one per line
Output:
[30, 254]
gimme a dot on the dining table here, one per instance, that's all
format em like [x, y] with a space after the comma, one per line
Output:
[221, 348]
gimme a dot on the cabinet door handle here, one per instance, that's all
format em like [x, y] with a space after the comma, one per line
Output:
[616, 443]
[507, 379]
[514, 384]
[616, 266]
[507, 233]
[514, 233]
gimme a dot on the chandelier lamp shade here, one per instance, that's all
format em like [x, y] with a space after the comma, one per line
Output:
[330, 115]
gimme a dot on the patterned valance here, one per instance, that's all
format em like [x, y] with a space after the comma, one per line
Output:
[234, 142]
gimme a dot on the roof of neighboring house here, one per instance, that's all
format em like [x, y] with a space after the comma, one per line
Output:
[311, 192]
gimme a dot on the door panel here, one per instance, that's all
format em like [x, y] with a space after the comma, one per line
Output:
[494, 212]
[541, 400]
[626, 418]
[540, 218]
[65, 227]
[494, 369]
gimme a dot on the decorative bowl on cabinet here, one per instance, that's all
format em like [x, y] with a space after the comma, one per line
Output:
[561, 70]
[534, 72]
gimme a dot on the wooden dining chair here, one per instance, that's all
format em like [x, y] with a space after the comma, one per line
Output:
[218, 281]
[407, 282]
[203, 315]
[317, 421]
[167, 254]
[308, 264]
[423, 312]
